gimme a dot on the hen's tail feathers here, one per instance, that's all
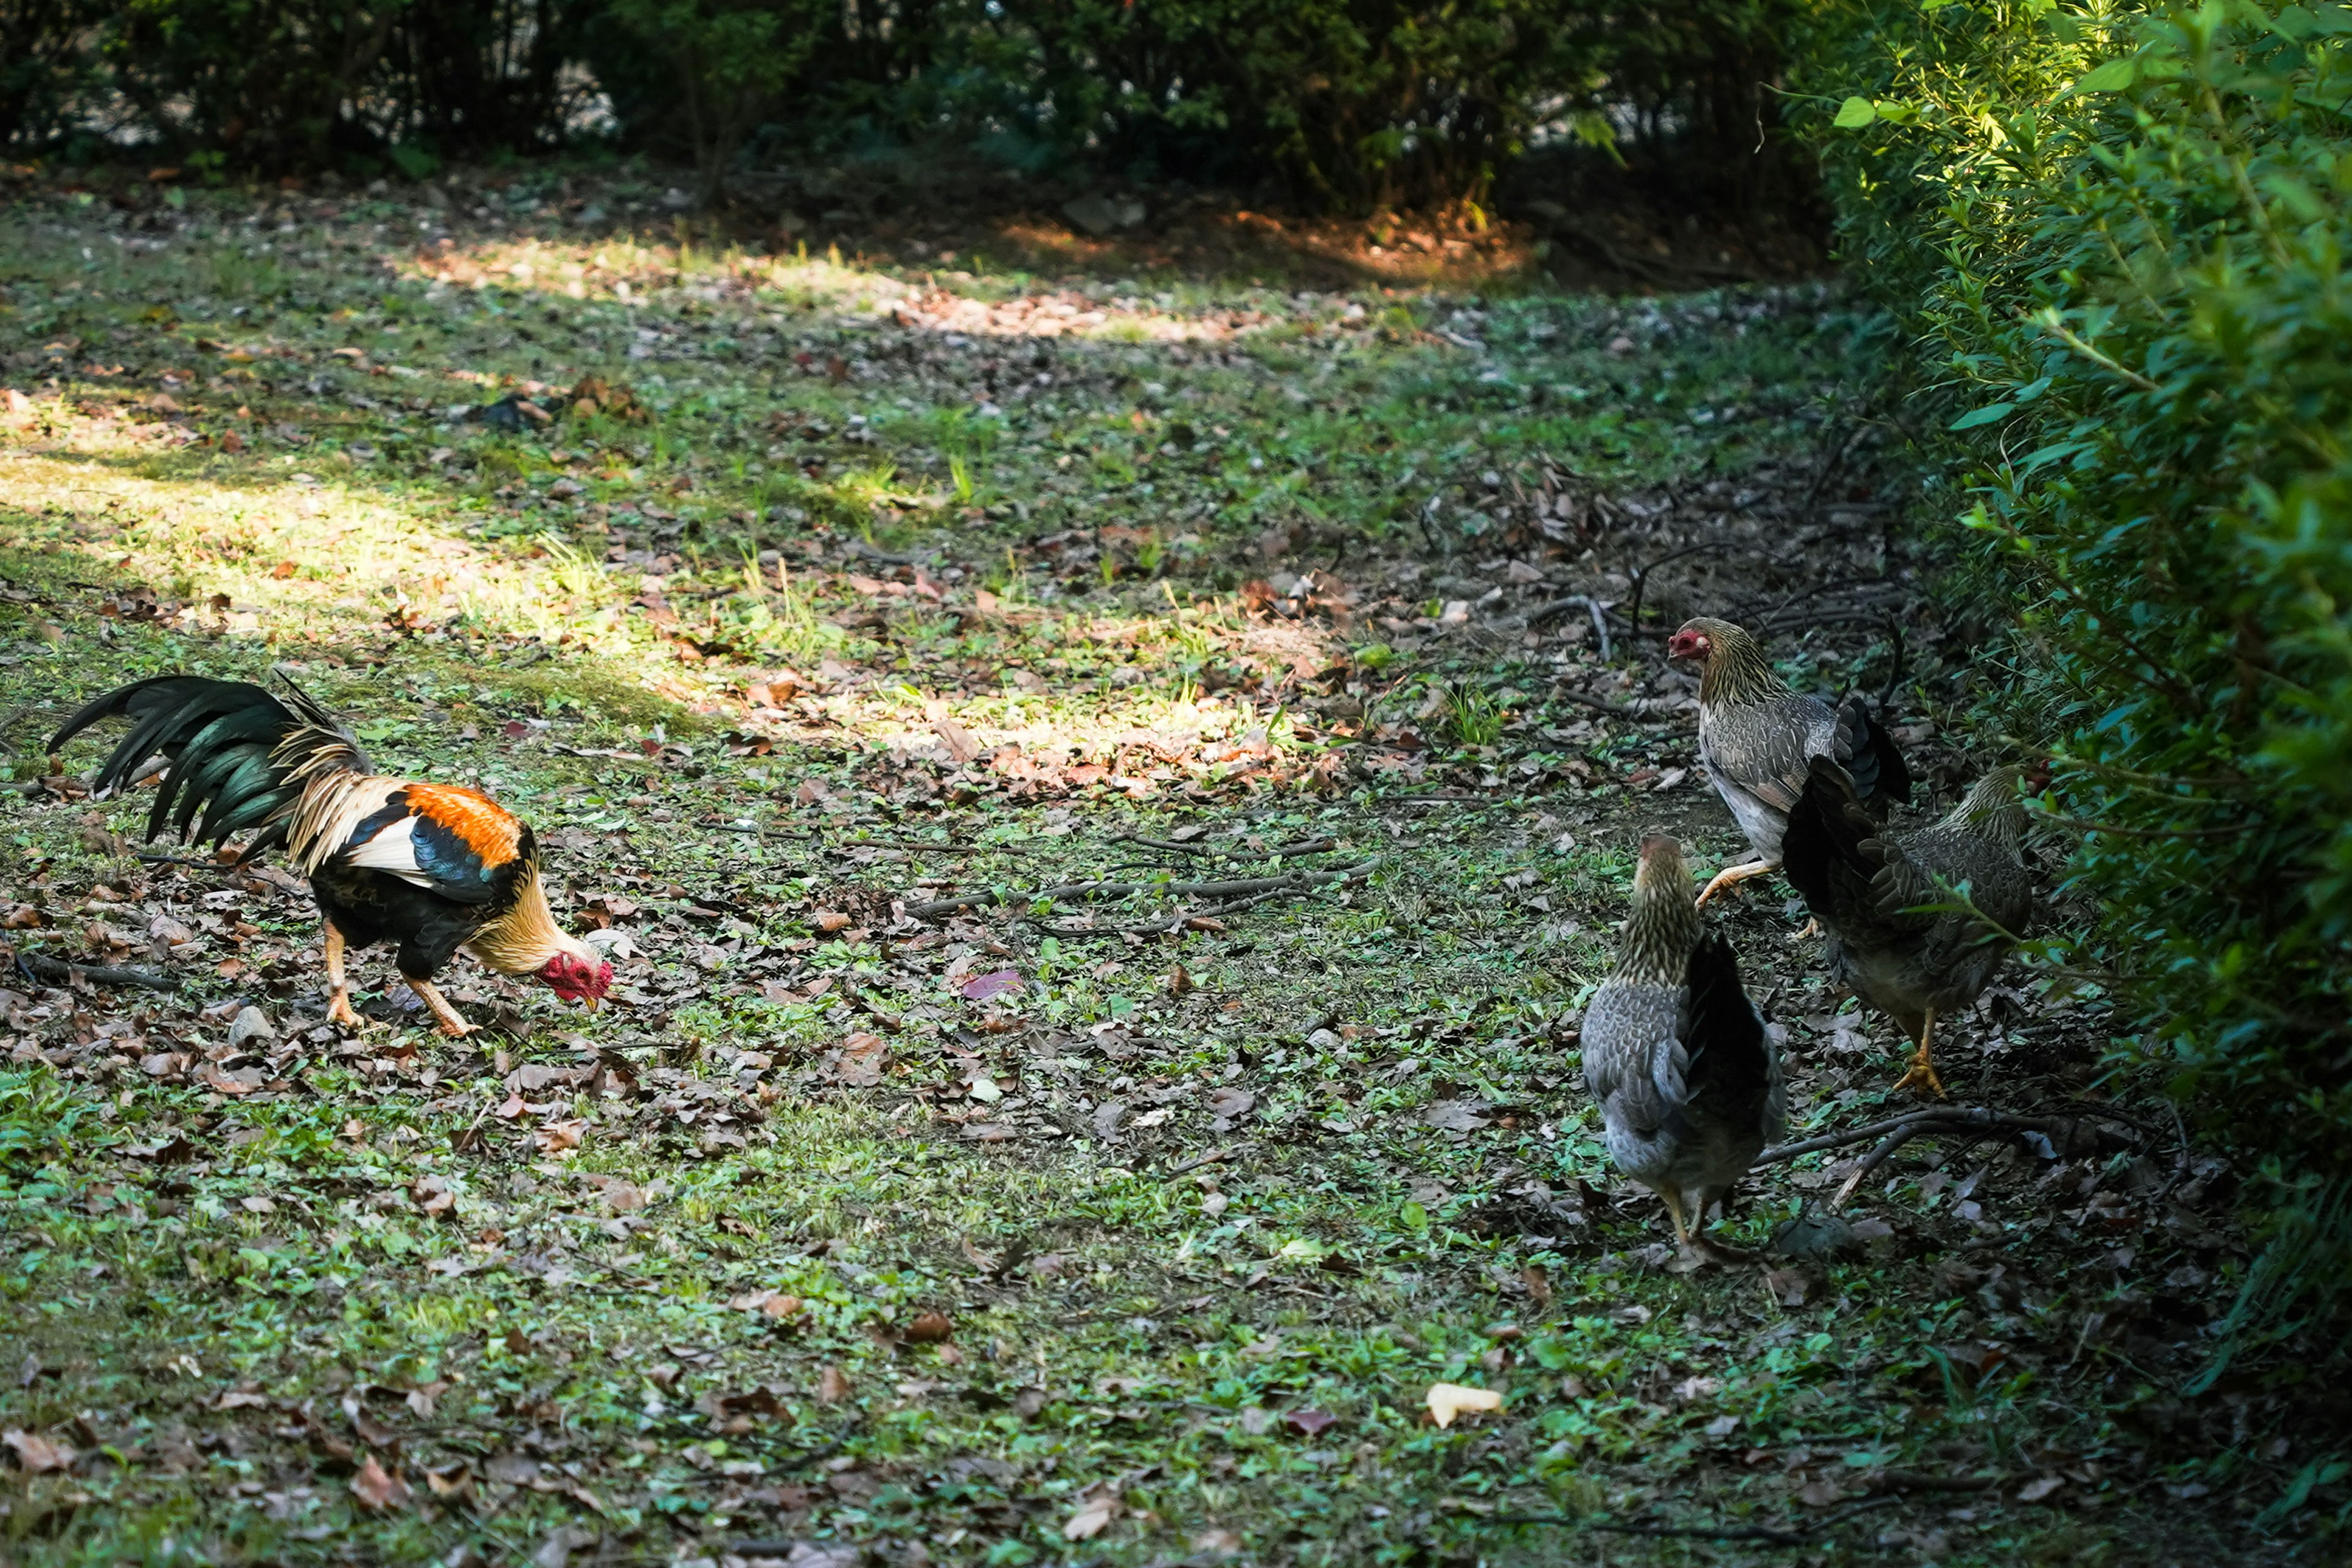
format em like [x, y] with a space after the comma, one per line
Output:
[240, 755]
[1831, 849]
[1881, 777]
[1728, 1072]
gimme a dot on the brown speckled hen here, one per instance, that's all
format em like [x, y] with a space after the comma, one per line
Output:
[1688, 1079]
[1756, 737]
[1919, 921]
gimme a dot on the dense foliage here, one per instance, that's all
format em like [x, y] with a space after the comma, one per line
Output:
[1350, 104]
[2121, 238]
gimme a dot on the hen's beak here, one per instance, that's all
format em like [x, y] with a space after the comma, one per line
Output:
[590, 1003]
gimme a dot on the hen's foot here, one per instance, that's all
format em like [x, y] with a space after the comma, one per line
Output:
[1731, 874]
[1921, 1071]
[1697, 1252]
[1812, 929]
[339, 1011]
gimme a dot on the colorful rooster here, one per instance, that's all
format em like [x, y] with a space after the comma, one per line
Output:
[433, 867]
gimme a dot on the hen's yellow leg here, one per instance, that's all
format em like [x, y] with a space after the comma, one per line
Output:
[1731, 874]
[1923, 1068]
[339, 999]
[451, 1024]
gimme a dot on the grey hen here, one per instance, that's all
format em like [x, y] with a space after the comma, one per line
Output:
[1687, 1081]
[1902, 939]
[1756, 736]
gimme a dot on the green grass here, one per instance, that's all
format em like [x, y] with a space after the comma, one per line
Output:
[499, 1274]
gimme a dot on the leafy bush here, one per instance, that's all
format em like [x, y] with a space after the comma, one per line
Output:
[709, 69]
[1350, 104]
[43, 65]
[2121, 239]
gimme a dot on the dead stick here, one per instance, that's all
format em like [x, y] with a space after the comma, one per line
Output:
[1943, 1118]
[1293, 881]
[1872, 1161]
[1570, 694]
[99, 974]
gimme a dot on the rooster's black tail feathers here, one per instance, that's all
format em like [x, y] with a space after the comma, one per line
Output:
[235, 751]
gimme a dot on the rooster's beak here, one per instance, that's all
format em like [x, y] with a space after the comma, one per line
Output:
[592, 1002]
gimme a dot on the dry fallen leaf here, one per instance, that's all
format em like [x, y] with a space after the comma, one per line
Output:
[377, 1487]
[832, 1386]
[2039, 1487]
[1309, 1422]
[1447, 1400]
[996, 982]
[828, 921]
[1092, 1517]
[960, 742]
[929, 1327]
[36, 1453]
[863, 1057]
[1539, 1285]
[558, 1136]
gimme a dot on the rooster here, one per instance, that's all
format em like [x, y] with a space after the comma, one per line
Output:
[1756, 735]
[433, 867]
[1688, 1079]
[1921, 921]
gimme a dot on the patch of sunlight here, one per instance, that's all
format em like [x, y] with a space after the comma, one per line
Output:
[313, 560]
[632, 272]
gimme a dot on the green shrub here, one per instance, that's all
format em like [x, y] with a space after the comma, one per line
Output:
[44, 65]
[708, 72]
[2121, 240]
[1346, 104]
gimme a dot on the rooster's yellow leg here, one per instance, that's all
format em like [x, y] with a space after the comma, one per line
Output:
[339, 999]
[1812, 929]
[1923, 1069]
[1730, 874]
[451, 1024]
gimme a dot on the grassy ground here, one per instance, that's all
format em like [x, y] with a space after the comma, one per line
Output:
[1035, 1230]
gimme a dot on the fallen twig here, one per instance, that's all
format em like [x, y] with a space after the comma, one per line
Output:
[42, 967]
[1545, 612]
[1946, 1117]
[1278, 851]
[1596, 703]
[1875, 1158]
[1703, 1532]
[1666, 1531]
[1642, 577]
[1214, 1156]
[1163, 925]
[1291, 881]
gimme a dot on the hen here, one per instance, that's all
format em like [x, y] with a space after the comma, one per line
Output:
[1688, 1079]
[1919, 921]
[1756, 735]
[433, 867]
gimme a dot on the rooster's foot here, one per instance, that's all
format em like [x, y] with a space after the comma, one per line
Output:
[339, 1011]
[452, 1023]
[1812, 929]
